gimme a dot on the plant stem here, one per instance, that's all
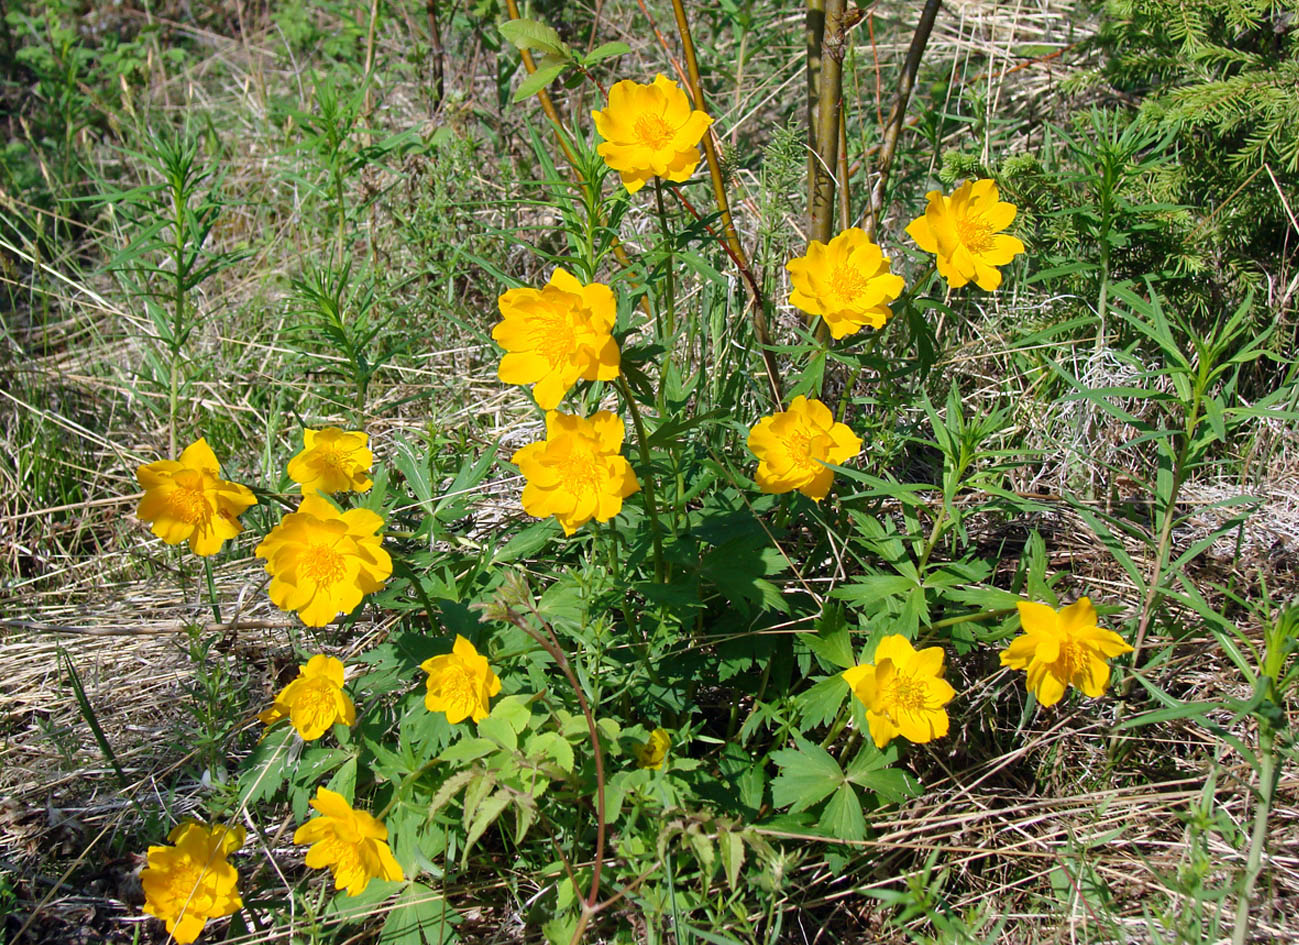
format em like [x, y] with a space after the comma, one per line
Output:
[651, 506]
[211, 588]
[826, 159]
[732, 240]
[1267, 779]
[667, 339]
[893, 127]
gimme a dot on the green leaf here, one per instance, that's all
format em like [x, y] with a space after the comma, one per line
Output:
[484, 817]
[843, 816]
[732, 849]
[529, 34]
[808, 775]
[605, 51]
[872, 587]
[266, 768]
[551, 745]
[468, 749]
[832, 643]
[818, 705]
[420, 916]
[499, 731]
[513, 711]
[548, 70]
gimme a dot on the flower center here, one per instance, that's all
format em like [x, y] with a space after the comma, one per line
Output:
[322, 564]
[188, 504]
[331, 457]
[807, 448]
[848, 282]
[1071, 660]
[457, 686]
[653, 131]
[904, 692]
[555, 339]
[184, 879]
[975, 234]
[317, 697]
[580, 470]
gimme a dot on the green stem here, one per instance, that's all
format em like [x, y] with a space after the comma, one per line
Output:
[178, 198]
[651, 506]
[668, 339]
[211, 588]
[1267, 778]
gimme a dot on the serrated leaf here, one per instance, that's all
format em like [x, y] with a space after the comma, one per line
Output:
[514, 711]
[468, 749]
[486, 815]
[843, 815]
[529, 34]
[499, 731]
[267, 769]
[732, 850]
[808, 774]
[449, 789]
[553, 746]
[703, 847]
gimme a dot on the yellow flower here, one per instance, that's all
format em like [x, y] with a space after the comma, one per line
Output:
[904, 691]
[555, 335]
[187, 498]
[650, 131]
[190, 882]
[352, 843]
[578, 472]
[846, 281]
[653, 752]
[322, 562]
[315, 700]
[793, 447]
[1059, 648]
[964, 232]
[332, 460]
[460, 683]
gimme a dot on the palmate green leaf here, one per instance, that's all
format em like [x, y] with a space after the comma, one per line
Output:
[267, 768]
[420, 916]
[873, 587]
[832, 643]
[843, 816]
[808, 775]
[820, 704]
